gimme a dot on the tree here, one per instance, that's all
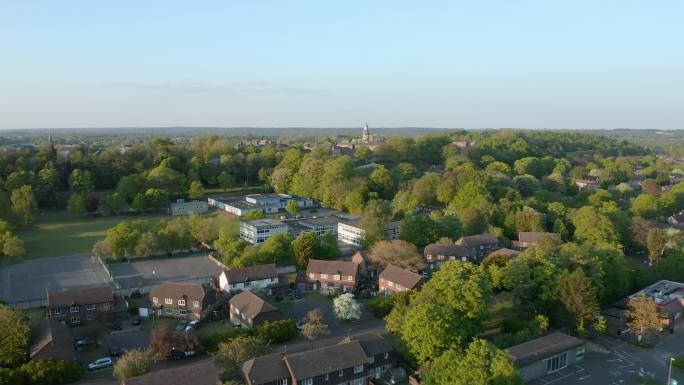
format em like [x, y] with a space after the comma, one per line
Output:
[229, 247]
[277, 247]
[292, 207]
[398, 253]
[642, 313]
[202, 229]
[81, 182]
[304, 247]
[591, 226]
[314, 326]
[225, 180]
[13, 246]
[277, 331]
[131, 185]
[14, 334]
[481, 364]
[161, 343]
[76, 203]
[51, 372]
[346, 307]
[374, 223]
[139, 203]
[254, 214]
[656, 241]
[196, 190]
[122, 238]
[645, 206]
[133, 363]
[23, 203]
[101, 249]
[242, 348]
[578, 295]
[156, 198]
[420, 230]
[174, 235]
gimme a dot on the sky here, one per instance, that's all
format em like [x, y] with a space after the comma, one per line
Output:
[454, 64]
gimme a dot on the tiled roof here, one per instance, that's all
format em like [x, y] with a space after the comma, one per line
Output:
[532, 237]
[252, 273]
[446, 249]
[84, 296]
[190, 291]
[476, 240]
[202, 372]
[403, 277]
[264, 369]
[371, 343]
[250, 305]
[318, 266]
[325, 360]
[51, 330]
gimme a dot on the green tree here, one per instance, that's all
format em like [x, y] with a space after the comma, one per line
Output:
[81, 182]
[174, 235]
[472, 194]
[133, 363]
[226, 180]
[14, 334]
[292, 207]
[646, 206]
[420, 230]
[481, 364]
[51, 372]
[12, 246]
[131, 185]
[657, 244]
[277, 247]
[122, 239]
[381, 182]
[374, 223]
[24, 204]
[241, 349]
[591, 226]
[196, 190]
[155, 198]
[304, 247]
[139, 203]
[578, 295]
[254, 214]
[147, 244]
[76, 203]
[277, 331]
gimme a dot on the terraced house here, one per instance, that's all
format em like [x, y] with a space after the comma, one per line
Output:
[80, 306]
[182, 300]
[341, 275]
[255, 278]
[479, 246]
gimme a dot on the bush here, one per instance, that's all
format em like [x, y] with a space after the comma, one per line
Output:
[277, 331]
[134, 363]
[50, 372]
[11, 377]
[211, 341]
[383, 306]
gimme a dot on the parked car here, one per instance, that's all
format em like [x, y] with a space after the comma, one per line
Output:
[84, 341]
[191, 326]
[100, 363]
[136, 321]
[115, 351]
[300, 325]
[180, 354]
[118, 325]
[182, 325]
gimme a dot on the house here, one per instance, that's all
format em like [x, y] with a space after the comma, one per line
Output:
[546, 355]
[676, 220]
[361, 258]
[248, 310]
[342, 275]
[394, 279]
[51, 339]
[437, 253]
[79, 306]
[202, 372]
[529, 239]
[349, 230]
[259, 277]
[182, 300]
[182, 207]
[257, 231]
[344, 363]
[510, 253]
[479, 246]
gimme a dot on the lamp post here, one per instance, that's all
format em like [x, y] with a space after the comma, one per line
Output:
[669, 372]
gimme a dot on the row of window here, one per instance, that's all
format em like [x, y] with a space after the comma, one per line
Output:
[74, 309]
[77, 319]
[169, 301]
[357, 369]
[172, 311]
[336, 277]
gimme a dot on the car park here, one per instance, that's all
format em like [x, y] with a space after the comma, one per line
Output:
[100, 363]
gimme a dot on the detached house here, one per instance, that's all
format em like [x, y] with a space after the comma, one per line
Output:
[79, 306]
[436, 254]
[182, 300]
[479, 246]
[248, 310]
[529, 239]
[322, 274]
[394, 279]
[351, 362]
[259, 277]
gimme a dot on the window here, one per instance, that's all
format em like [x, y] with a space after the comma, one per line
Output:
[350, 278]
[168, 311]
[327, 376]
[312, 276]
[580, 352]
[168, 301]
[556, 363]
[155, 300]
[357, 381]
[324, 276]
[307, 381]
[74, 309]
[386, 355]
[282, 381]
[182, 311]
[75, 320]
[90, 317]
[90, 307]
[181, 302]
[337, 277]
[58, 311]
[195, 303]
[341, 372]
[371, 359]
[358, 368]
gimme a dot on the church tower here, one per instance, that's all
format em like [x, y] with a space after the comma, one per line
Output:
[365, 137]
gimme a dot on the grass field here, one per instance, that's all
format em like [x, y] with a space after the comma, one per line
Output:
[61, 233]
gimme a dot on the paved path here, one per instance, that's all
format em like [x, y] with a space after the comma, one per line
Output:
[300, 343]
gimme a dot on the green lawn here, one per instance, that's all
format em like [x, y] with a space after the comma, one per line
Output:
[148, 325]
[501, 307]
[61, 233]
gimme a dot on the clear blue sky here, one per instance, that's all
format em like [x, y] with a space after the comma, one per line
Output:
[509, 63]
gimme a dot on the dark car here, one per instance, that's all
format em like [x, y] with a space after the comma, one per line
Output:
[118, 325]
[136, 321]
[177, 354]
[115, 351]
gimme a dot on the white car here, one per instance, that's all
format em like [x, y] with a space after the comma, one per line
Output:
[191, 326]
[100, 363]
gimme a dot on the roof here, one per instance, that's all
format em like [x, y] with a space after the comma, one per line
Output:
[193, 291]
[319, 221]
[265, 222]
[252, 273]
[506, 252]
[542, 347]
[361, 256]
[445, 249]
[84, 296]
[326, 360]
[332, 267]
[476, 240]
[239, 204]
[264, 369]
[404, 277]
[371, 343]
[52, 331]
[250, 304]
[532, 237]
[197, 373]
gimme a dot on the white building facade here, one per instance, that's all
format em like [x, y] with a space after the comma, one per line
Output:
[258, 231]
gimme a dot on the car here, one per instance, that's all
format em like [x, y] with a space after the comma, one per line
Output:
[300, 325]
[177, 354]
[115, 351]
[298, 295]
[100, 363]
[191, 326]
[84, 341]
[136, 321]
[182, 325]
[118, 325]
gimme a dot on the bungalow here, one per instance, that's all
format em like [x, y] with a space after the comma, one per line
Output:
[529, 239]
[79, 306]
[321, 274]
[258, 278]
[436, 254]
[479, 246]
[51, 339]
[202, 372]
[182, 300]
[546, 355]
[394, 279]
[248, 310]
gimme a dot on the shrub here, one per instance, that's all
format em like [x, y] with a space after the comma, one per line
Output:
[11, 377]
[134, 363]
[50, 372]
[383, 306]
[211, 341]
[277, 331]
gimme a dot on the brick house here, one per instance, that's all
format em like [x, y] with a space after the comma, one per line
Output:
[248, 310]
[394, 279]
[322, 274]
[182, 300]
[529, 239]
[436, 254]
[361, 258]
[479, 246]
[259, 277]
[79, 306]
[203, 372]
[52, 340]
[351, 362]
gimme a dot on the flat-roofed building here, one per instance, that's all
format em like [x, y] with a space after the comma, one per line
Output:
[257, 231]
[546, 355]
[349, 230]
[183, 207]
